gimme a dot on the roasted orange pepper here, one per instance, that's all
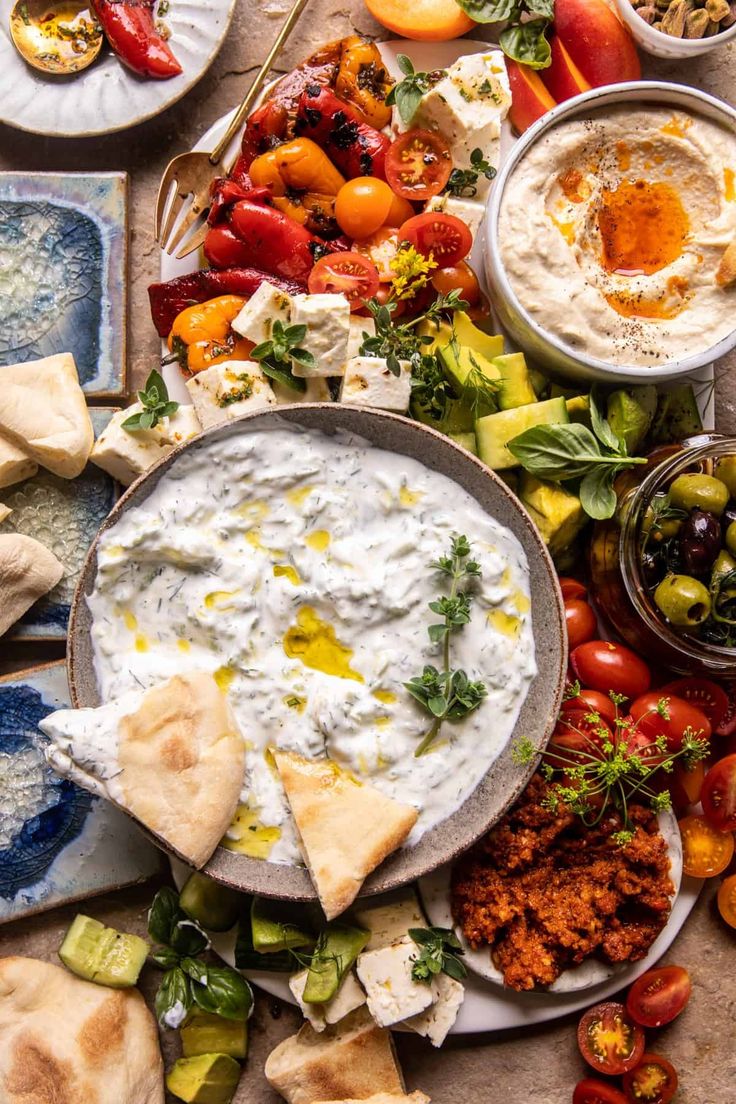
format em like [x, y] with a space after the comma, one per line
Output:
[316, 212]
[202, 334]
[297, 166]
[362, 80]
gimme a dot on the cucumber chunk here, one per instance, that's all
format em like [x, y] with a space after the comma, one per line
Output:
[103, 955]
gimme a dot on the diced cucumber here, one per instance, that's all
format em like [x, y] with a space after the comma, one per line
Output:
[516, 387]
[467, 440]
[103, 955]
[677, 416]
[205, 1033]
[467, 333]
[271, 932]
[494, 432]
[630, 412]
[206, 1079]
[555, 511]
[339, 947]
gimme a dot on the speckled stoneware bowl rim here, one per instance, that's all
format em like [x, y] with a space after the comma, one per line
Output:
[506, 778]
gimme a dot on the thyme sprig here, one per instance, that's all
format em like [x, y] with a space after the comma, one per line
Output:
[396, 342]
[464, 182]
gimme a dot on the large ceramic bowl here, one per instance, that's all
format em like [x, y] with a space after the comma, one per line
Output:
[506, 778]
[533, 338]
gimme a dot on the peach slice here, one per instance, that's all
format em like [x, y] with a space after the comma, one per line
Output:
[426, 20]
[530, 100]
[563, 79]
[597, 41]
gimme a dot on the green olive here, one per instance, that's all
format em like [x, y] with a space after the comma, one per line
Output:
[726, 472]
[702, 492]
[731, 538]
[683, 600]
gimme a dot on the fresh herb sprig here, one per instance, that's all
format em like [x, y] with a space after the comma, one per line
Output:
[401, 342]
[464, 182]
[523, 38]
[154, 399]
[407, 93]
[572, 451]
[188, 980]
[439, 953]
[447, 694]
[276, 355]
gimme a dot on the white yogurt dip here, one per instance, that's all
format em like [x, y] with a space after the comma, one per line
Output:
[297, 568]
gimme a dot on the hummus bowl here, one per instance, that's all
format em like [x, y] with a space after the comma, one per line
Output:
[605, 231]
[291, 555]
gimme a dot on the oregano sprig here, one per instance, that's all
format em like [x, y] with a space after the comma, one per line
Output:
[407, 93]
[439, 953]
[154, 399]
[284, 348]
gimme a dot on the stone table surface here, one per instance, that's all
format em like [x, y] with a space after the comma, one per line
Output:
[540, 1064]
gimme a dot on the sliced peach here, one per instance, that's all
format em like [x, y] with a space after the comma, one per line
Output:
[424, 20]
[530, 100]
[597, 41]
[563, 78]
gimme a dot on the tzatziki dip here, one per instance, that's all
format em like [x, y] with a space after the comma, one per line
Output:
[297, 567]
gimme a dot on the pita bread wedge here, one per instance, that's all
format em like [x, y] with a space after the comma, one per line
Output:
[415, 1097]
[172, 757]
[67, 1041]
[27, 571]
[327, 805]
[14, 464]
[349, 1060]
[43, 412]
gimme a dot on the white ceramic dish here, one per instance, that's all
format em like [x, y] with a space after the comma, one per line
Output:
[549, 350]
[663, 45]
[108, 96]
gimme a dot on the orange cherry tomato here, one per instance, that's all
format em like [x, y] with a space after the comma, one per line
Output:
[445, 238]
[706, 850]
[380, 248]
[349, 274]
[362, 205]
[727, 900]
[460, 277]
[685, 783]
[581, 622]
[418, 164]
[400, 210]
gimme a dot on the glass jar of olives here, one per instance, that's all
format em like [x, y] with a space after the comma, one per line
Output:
[664, 568]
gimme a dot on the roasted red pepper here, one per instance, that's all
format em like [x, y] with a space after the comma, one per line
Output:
[266, 128]
[224, 192]
[355, 147]
[131, 31]
[259, 235]
[169, 299]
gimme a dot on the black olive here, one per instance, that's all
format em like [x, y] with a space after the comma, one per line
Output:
[700, 541]
[728, 515]
[652, 567]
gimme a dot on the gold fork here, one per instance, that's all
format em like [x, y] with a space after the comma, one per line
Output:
[190, 174]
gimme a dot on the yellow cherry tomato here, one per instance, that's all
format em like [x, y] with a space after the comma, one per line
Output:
[705, 850]
[459, 277]
[400, 210]
[362, 205]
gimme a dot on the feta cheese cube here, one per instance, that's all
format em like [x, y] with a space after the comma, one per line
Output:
[126, 454]
[436, 1021]
[265, 306]
[389, 919]
[358, 326]
[368, 381]
[347, 998]
[391, 991]
[466, 209]
[327, 318]
[227, 390]
[318, 390]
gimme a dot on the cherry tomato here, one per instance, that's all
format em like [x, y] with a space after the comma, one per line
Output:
[592, 701]
[727, 900]
[659, 996]
[609, 1040]
[460, 277]
[571, 588]
[705, 851]
[418, 164]
[654, 1081]
[718, 794]
[362, 205]
[685, 783]
[399, 211]
[575, 739]
[638, 742]
[593, 1091]
[606, 666]
[727, 727]
[443, 237]
[703, 693]
[380, 248]
[384, 294]
[581, 622]
[349, 273]
[681, 717]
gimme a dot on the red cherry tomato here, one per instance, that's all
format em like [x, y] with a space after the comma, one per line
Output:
[727, 900]
[706, 851]
[418, 164]
[445, 238]
[609, 1040]
[380, 248]
[592, 701]
[659, 996]
[702, 693]
[654, 1081]
[571, 588]
[459, 277]
[606, 666]
[727, 726]
[718, 794]
[351, 274]
[593, 1091]
[581, 622]
[681, 717]
[575, 739]
[639, 742]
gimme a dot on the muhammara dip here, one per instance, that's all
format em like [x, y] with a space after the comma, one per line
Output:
[612, 229]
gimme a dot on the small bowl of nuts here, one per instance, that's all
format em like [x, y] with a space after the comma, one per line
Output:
[679, 28]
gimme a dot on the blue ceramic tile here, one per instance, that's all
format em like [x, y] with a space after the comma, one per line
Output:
[63, 246]
[64, 515]
[58, 843]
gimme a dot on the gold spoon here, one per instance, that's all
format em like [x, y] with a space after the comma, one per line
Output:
[59, 37]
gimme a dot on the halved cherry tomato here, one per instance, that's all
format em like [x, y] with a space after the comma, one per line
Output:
[399, 211]
[638, 742]
[348, 273]
[418, 164]
[380, 248]
[610, 667]
[592, 701]
[654, 1081]
[685, 783]
[445, 238]
[727, 726]
[703, 693]
[580, 621]
[681, 717]
[718, 794]
[609, 1040]
[362, 205]
[593, 1091]
[458, 277]
[571, 588]
[727, 900]
[659, 996]
[575, 739]
[705, 850]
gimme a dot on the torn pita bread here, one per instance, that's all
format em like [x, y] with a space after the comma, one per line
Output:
[67, 1041]
[172, 757]
[349, 1060]
[327, 804]
[43, 412]
[14, 464]
[27, 571]
[415, 1097]
[5, 511]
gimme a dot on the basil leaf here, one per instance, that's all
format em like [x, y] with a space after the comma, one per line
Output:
[490, 11]
[526, 43]
[165, 958]
[187, 938]
[543, 8]
[224, 992]
[597, 496]
[557, 451]
[163, 915]
[601, 428]
[174, 998]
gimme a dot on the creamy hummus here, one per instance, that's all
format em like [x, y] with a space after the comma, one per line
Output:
[296, 568]
[612, 228]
